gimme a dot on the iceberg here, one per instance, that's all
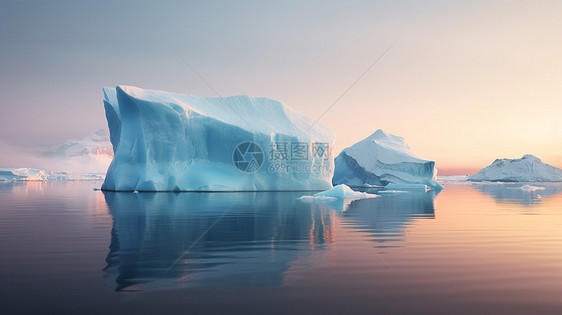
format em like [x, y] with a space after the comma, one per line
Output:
[172, 142]
[529, 168]
[382, 159]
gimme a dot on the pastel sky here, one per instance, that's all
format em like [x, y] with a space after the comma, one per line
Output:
[466, 82]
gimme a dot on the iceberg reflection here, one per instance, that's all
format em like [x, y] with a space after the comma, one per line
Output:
[385, 218]
[163, 240]
[515, 193]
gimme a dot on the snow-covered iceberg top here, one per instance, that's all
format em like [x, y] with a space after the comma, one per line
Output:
[381, 159]
[529, 168]
[173, 142]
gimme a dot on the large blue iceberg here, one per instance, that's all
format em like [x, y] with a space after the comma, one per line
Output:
[382, 159]
[173, 142]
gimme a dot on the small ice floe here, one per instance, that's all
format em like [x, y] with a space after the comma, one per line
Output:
[372, 186]
[337, 198]
[311, 199]
[135, 192]
[531, 188]
[390, 192]
[404, 186]
[527, 188]
[341, 191]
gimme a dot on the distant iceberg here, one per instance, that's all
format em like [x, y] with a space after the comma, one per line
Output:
[30, 174]
[381, 159]
[22, 174]
[173, 142]
[89, 155]
[96, 143]
[75, 159]
[529, 168]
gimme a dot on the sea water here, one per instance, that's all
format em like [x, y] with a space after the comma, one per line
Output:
[471, 248]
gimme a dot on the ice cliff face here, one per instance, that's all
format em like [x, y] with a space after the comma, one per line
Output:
[529, 168]
[173, 142]
[381, 159]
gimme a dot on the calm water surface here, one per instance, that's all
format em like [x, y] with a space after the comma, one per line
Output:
[470, 249]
